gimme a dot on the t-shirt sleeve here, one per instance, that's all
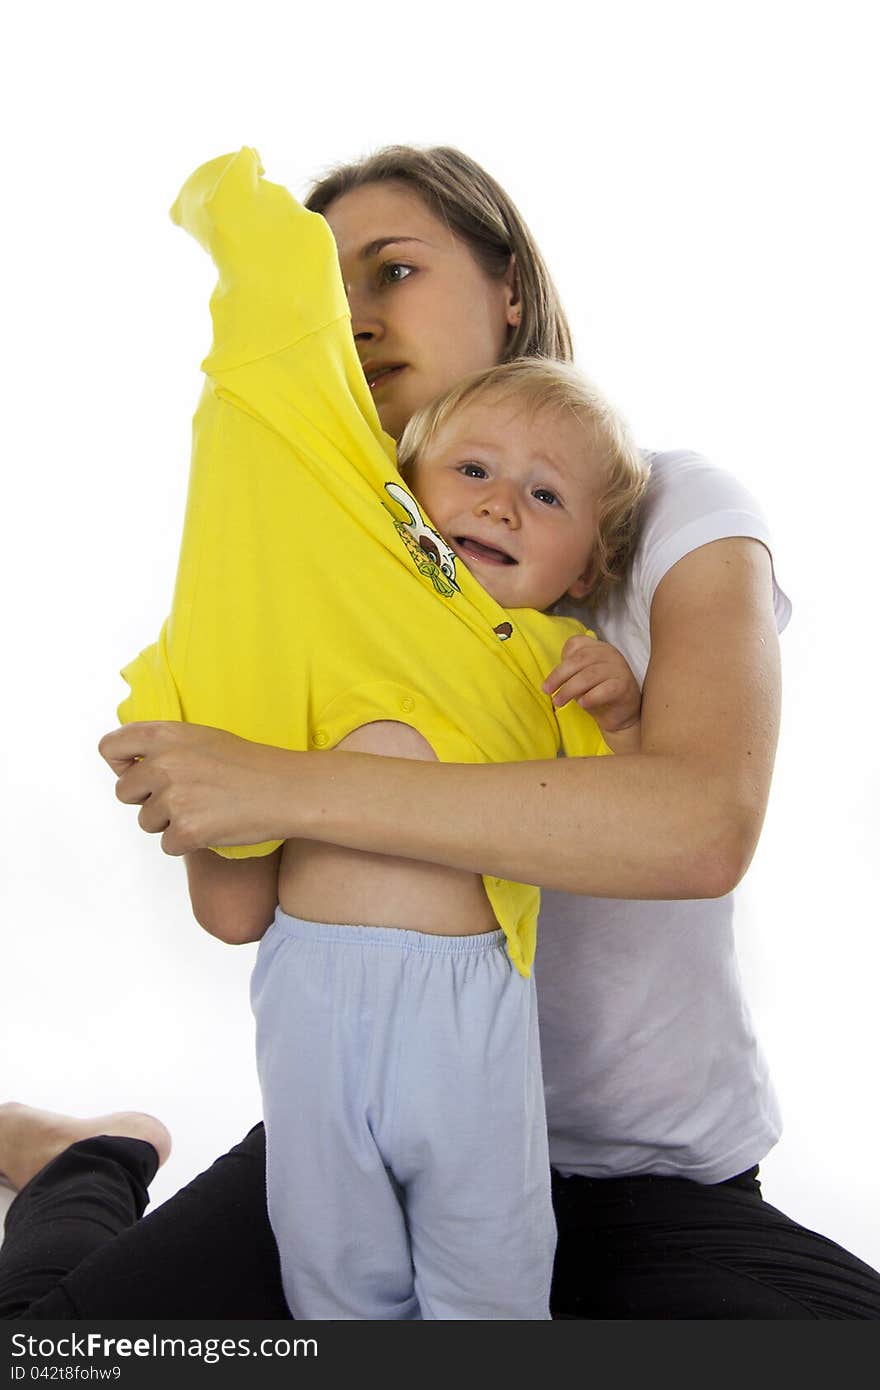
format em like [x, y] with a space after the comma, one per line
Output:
[690, 503]
[282, 348]
[283, 371]
[265, 298]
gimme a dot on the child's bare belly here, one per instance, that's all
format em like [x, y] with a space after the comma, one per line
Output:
[325, 883]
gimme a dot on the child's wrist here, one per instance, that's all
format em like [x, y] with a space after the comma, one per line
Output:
[612, 726]
[625, 740]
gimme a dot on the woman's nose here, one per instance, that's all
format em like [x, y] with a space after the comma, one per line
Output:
[366, 323]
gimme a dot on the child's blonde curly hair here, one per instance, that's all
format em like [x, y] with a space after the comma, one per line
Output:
[542, 384]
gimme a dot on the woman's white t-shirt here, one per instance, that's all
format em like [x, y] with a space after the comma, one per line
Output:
[651, 1064]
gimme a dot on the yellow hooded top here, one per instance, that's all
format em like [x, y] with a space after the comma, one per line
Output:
[312, 596]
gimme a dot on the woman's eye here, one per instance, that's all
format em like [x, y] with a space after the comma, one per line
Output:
[544, 495]
[473, 470]
[393, 273]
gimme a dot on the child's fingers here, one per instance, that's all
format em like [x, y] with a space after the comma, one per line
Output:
[589, 663]
[576, 653]
[601, 695]
[560, 678]
[593, 690]
[578, 684]
[557, 676]
[590, 672]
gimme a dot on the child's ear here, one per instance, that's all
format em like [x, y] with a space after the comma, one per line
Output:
[581, 587]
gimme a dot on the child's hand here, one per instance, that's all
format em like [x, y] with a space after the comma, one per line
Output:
[599, 679]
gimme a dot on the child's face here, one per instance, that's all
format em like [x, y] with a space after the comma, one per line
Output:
[513, 493]
[424, 314]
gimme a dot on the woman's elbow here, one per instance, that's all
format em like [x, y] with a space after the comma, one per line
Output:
[725, 849]
[714, 875]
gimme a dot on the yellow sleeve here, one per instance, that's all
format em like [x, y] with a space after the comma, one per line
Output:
[286, 426]
[283, 348]
[265, 298]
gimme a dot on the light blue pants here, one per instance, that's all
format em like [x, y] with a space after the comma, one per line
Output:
[407, 1165]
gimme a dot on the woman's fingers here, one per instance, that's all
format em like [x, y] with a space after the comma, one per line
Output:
[124, 746]
[136, 782]
[132, 752]
[199, 786]
[176, 842]
[153, 817]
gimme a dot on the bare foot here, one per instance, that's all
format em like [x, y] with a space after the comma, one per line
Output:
[29, 1139]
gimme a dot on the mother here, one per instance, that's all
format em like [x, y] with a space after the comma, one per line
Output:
[658, 1100]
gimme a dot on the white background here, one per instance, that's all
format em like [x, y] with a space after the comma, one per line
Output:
[700, 180]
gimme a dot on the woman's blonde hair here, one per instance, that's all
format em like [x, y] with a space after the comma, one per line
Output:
[544, 385]
[476, 209]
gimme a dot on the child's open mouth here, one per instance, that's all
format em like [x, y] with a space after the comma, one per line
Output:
[489, 554]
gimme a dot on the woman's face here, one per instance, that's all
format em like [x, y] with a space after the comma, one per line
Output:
[424, 313]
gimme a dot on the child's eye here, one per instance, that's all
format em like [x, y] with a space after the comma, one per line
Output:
[544, 495]
[393, 272]
[473, 470]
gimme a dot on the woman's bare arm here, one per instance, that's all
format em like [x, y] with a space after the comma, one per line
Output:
[679, 820]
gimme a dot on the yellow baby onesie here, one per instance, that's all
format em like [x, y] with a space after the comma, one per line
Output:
[312, 596]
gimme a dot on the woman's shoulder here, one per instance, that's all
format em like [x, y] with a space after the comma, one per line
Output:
[689, 502]
[684, 485]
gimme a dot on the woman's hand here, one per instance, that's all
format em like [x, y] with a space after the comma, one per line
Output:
[198, 787]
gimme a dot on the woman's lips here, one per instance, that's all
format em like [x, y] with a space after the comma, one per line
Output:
[477, 550]
[378, 376]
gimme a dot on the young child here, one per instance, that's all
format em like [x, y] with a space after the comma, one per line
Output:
[407, 1162]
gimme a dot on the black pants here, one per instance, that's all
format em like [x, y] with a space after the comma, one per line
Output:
[628, 1247]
